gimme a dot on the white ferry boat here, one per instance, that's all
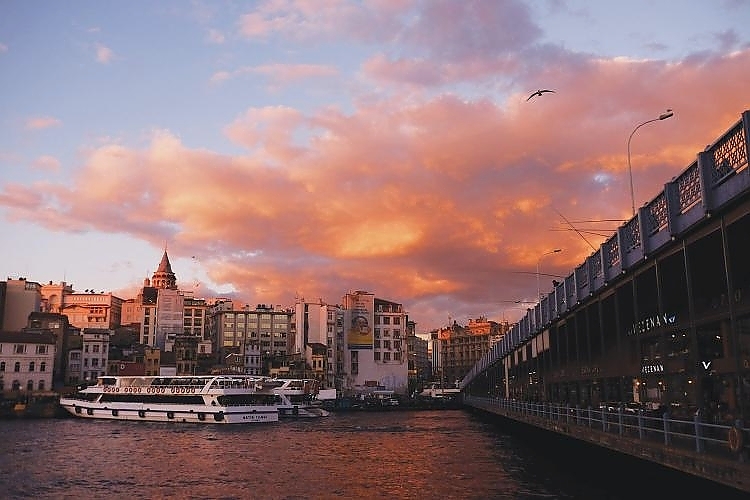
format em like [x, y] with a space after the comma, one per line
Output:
[437, 391]
[299, 397]
[224, 399]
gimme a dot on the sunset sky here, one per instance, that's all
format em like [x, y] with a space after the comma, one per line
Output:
[306, 148]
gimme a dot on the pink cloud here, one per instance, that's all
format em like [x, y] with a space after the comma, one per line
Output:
[42, 122]
[437, 201]
[104, 54]
[47, 163]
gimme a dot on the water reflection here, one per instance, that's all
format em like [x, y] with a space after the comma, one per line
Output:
[445, 455]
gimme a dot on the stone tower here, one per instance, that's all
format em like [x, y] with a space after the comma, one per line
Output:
[164, 277]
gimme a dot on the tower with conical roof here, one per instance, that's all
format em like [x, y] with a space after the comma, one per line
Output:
[164, 277]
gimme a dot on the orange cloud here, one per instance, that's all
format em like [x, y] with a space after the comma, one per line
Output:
[439, 201]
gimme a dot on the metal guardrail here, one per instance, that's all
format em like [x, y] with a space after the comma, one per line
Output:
[710, 439]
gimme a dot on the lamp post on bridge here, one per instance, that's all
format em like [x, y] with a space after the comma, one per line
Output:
[538, 289]
[667, 114]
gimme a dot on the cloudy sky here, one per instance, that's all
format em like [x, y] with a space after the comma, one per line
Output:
[305, 148]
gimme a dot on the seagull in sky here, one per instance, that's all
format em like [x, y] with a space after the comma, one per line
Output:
[539, 92]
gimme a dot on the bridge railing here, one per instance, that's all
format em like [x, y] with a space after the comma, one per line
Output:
[713, 439]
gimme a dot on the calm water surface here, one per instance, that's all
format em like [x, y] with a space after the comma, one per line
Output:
[420, 455]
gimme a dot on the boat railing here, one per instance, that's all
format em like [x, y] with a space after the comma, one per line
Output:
[722, 440]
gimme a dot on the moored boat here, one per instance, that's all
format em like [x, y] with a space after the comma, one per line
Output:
[299, 397]
[224, 399]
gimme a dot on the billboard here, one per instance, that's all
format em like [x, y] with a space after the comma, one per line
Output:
[361, 318]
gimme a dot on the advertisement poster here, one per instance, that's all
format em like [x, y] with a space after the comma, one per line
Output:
[359, 331]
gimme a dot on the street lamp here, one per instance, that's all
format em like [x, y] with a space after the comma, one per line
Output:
[538, 290]
[667, 114]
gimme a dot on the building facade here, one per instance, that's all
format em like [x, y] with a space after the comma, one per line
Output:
[270, 328]
[376, 355]
[94, 353]
[461, 347]
[22, 297]
[92, 310]
[26, 361]
[318, 339]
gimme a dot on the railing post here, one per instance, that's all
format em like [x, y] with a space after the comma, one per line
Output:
[588, 415]
[567, 414]
[640, 423]
[619, 420]
[698, 434]
[578, 415]
[667, 437]
[604, 419]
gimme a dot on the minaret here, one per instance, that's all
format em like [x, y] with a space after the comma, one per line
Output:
[164, 277]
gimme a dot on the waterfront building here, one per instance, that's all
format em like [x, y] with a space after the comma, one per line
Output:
[92, 310]
[89, 309]
[194, 317]
[53, 296]
[419, 366]
[319, 340]
[253, 362]
[376, 355]
[94, 352]
[73, 354]
[27, 359]
[21, 297]
[151, 361]
[269, 327]
[60, 327]
[462, 346]
[168, 315]
[185, 349]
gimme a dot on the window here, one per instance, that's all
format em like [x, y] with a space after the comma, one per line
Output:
[2, 366]
[397, 320]
[41, 349]
[376, 355]
[386, 320]
[30, 385]
[31, 366]
[41, 385]
[19, 348]
[42, 366]
[386, 356]
[17, 366]
[95, 348]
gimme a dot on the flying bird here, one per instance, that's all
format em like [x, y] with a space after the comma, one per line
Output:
[539, 92]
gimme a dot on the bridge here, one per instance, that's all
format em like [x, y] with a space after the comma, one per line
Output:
[644, 349]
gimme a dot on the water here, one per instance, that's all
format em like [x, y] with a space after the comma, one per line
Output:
[410, 455]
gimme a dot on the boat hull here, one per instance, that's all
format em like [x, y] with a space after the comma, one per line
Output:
[302, 411]
[170, 413]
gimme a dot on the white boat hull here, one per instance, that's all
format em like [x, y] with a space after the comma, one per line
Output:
[171, 413]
